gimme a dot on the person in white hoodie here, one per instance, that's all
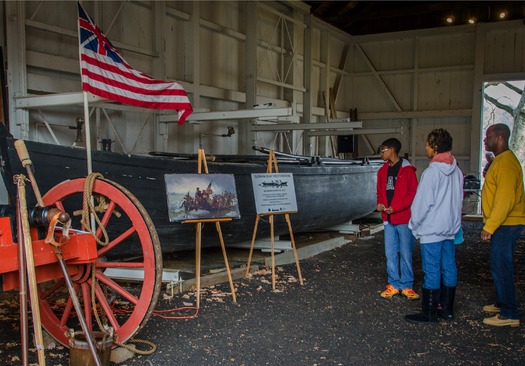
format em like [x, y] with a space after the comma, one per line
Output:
[435, 220]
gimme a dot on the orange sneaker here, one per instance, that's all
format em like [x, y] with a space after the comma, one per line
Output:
[389, 292]
[410, 294]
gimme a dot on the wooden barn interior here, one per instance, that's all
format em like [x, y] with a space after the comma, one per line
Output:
[268, 69]
[320, 82]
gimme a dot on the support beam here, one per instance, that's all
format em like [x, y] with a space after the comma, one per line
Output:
[307, 106]
[16, 61]
[364, 131]
[54, 100]
[239, 114]
[378, 78]
[476, 130]
[308, 126]
[246, 136]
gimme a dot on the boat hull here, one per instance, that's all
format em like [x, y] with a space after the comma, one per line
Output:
[326, 195]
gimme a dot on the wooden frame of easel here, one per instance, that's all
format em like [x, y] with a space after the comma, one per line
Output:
[272, 165]
[198, 229]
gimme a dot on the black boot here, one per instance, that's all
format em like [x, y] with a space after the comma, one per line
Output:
[446, 309]
[441, 297]
[429, 302]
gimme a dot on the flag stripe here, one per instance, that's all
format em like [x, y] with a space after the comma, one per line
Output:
[106, 74]
[137, 88]
[128, 77]
[128, 99]
[126, 92]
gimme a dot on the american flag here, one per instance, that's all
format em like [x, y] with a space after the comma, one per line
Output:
[106, 74]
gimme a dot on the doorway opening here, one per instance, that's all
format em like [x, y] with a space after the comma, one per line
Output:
[500, 102]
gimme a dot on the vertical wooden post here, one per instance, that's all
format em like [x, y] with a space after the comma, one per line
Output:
[198, 227]
[219, 231]
[287, 216]
[253, 243]
[273, 250]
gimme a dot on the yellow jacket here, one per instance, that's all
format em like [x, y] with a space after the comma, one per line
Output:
[502, 196]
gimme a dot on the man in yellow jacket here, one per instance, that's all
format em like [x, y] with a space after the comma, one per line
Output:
[503, 205]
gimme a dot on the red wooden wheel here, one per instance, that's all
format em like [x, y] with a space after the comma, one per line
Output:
[133, 244]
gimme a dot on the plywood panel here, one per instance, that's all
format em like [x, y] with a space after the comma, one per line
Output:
[445, 90]
[394, 54]
[446, 50]
[505, 51]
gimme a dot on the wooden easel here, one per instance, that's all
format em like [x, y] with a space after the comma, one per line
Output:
[198, 224]
[272, 164]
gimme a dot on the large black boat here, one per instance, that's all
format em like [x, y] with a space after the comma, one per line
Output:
[328, 191]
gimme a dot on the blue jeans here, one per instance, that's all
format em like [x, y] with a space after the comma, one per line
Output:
[502, 245]
[439, 263]
[399, 240]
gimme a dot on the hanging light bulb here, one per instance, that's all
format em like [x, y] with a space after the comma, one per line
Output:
[450, 19]
[472, 20]
[502, 14]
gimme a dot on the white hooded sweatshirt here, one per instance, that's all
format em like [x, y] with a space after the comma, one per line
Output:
[436, 209]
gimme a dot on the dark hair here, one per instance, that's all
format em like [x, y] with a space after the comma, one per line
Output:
[393, 143]
[501, 129]
[440, 140]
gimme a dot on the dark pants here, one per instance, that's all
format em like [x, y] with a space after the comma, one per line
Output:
[502, 244]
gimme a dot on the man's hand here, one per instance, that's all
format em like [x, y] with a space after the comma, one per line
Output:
[485, 235]
[380, 207]
[389, 210]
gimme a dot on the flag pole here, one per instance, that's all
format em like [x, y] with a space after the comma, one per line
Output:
[86, 105]
[86, 121]
[88, 134]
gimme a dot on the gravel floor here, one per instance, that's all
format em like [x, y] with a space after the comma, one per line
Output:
[336, 318]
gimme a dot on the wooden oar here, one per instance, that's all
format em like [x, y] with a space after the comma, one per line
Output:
[23, 155]
[30, 264]
[22, 276]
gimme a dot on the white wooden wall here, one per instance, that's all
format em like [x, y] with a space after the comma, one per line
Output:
[232, 55]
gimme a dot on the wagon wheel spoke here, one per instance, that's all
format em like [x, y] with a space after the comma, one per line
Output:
[68, 311]
[44, 295]
[120, 265]
[60, 206]
[117, 241]
[105, 218]
[101, 297]
[86, 297]
[117, 288]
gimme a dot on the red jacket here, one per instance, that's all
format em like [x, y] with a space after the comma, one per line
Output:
[404, 192]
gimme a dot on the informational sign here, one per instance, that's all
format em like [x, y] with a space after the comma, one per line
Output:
[274, 192]
[201, 196]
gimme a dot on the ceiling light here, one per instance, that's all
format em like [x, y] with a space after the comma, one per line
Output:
[472, 20]
[502, 14]
[450, 19]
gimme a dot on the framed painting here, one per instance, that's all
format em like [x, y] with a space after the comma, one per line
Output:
[201, 196]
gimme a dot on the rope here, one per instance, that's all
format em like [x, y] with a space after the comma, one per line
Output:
[135, 350]
[89, 210]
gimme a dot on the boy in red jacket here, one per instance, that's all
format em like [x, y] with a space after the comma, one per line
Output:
[396, 189]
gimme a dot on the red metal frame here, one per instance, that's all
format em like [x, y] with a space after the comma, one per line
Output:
[81, 248]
